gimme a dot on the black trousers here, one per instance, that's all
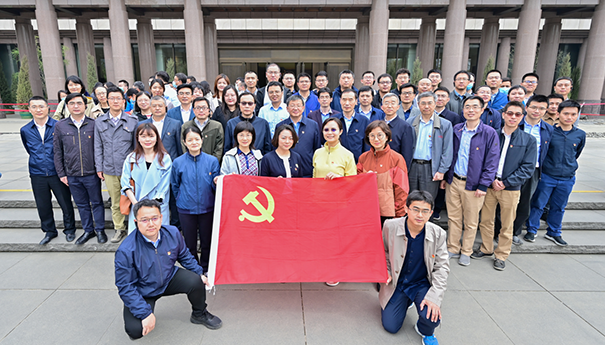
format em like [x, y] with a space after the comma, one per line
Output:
[184, 281]
[42, 187]
[195, 225]
[174, 211]
[524, 206]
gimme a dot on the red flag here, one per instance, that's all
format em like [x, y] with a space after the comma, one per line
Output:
[276, 230]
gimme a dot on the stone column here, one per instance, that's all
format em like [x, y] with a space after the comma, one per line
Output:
[547, 60]
[50, 45]
[120, 41]
[488, 47]
[594, 64]
[465, 52]
[108, 56]
[146, 47]
[194, 39]
[362, 48]
[71, 68]
[86, 46]
[379, 36]
[211, 49]
[426, 43]
[503, 56]
[582, 55]
[453, 46]
[527, 39]
[26, 42]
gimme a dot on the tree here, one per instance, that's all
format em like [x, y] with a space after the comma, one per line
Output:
[170, 68]
[417, 72]
[91, 74]
[14, 85]
[563, 65]
[576, 74]
[490, 65]
[5, 91]
[24, 89]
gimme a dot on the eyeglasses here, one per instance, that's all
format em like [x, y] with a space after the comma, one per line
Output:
[378, 136]
[473, 107]
[426, 104]
[531, 82]
[385, 83]
[146, 221]
[462, 79]
[247, 104]
[407, 93]
[391, 104]
[184, 93]
[327, 130]
[534, 108]
[510, 113]
[200, 108]
[75, 103]
[115, 99]
[425, 211]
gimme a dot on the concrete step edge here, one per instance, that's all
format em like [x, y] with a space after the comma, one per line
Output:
[35, 224]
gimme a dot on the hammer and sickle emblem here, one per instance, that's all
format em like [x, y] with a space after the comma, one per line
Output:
[265, 213]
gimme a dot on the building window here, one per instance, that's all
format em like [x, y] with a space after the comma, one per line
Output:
[171, 58]
[400, 55]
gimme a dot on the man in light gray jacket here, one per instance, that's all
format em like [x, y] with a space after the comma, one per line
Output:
[418, 266]
[114, 140]
[433, 150]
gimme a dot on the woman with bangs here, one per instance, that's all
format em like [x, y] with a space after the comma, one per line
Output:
[142, 106]
[149, 166]
[229, 107]
[220, 83]
[73, 84]
[157, 89]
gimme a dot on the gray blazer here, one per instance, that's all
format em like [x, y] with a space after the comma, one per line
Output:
[231, 163]
[442, 136]
[435, 258]
[113, 144]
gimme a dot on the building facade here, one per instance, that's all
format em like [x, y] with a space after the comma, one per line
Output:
[131, 39]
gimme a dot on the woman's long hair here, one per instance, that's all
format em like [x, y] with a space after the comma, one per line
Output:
[159, 149]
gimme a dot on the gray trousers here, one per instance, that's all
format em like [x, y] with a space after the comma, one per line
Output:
[421, 178]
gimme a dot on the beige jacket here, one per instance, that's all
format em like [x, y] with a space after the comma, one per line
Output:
[435, 258]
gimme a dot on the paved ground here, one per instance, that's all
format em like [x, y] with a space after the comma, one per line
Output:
[70, 298]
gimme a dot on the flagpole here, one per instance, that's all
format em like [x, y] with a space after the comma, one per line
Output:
[216, 223]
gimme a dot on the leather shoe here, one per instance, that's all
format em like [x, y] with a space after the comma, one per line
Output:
[47, 238]
[101, 236]
[70, 237]
[85, 237]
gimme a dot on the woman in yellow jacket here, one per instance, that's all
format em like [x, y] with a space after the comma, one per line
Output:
[333, 160]
[73, 84]
[390, 168]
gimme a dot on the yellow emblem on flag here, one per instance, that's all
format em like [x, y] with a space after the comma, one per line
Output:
[266, 214]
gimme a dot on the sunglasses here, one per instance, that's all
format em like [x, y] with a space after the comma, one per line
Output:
[249, 104]
[327, 130]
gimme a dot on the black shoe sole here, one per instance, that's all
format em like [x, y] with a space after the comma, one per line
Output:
[528, 240]
[555, 241]
[481, 257]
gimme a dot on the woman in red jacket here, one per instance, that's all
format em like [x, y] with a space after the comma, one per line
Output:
[390, 169]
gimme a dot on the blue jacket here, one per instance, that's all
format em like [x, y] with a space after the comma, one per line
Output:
[316, 116]
[261, 129]
[175, 113]
[353, 139]
[483, 157]
[171, 136]
[375, 114]
[520, 161]
[402, 139]
[336, 99]
[192, 181]
[308, 141]
[311, 104]
[143, 271]
[273, 166]
[41, 153]
[498, 101]
[451, 116]
[545, 135]
[492, 118]
[565, 148]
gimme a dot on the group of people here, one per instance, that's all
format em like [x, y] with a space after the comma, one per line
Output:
[500, 154]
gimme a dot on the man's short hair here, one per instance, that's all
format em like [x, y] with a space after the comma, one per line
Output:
[403, 71]
[366, 89]
[158, 98]
[302, 75]
[200, 99]
[324, 90]
[531, 74]
[145, 203]
[494, 71]
[131, 92]
[408, 85]
[346, 71]
[462, 72]
[295, 98]
[274, 83]
[570, 103]
[562, 78]
[420, 195]
[505, 79]
[184, 86]
[182, 77]
[76, 95]
[125, 82]
[246, 93]
[320, 74]
[427, 94]
[349, 90]
[163, 75]
[466, 99]
[37, 98]
[513, 104]
[191, 78]
[114, 89]
[384, 75]
[555, 95]
[443, 88]
[434, 70]
[250, 72]
[139, 85]
[391, 94]
[537, 99]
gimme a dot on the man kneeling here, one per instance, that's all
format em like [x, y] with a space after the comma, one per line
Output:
[145, 271]
[418, 266]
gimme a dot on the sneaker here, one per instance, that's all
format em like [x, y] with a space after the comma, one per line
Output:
[517, 241]
[464, 260]
[452, 255]
[499, 265]
[207, 319]
[436, 216]
[426, 340]
[332, 284]
[558, 240]
[530, 237]
[118, 236]
[478, 254]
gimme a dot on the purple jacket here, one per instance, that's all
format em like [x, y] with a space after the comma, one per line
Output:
[483, 157]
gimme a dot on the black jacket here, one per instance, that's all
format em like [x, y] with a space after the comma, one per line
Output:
[520, 161]
[74, 148]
